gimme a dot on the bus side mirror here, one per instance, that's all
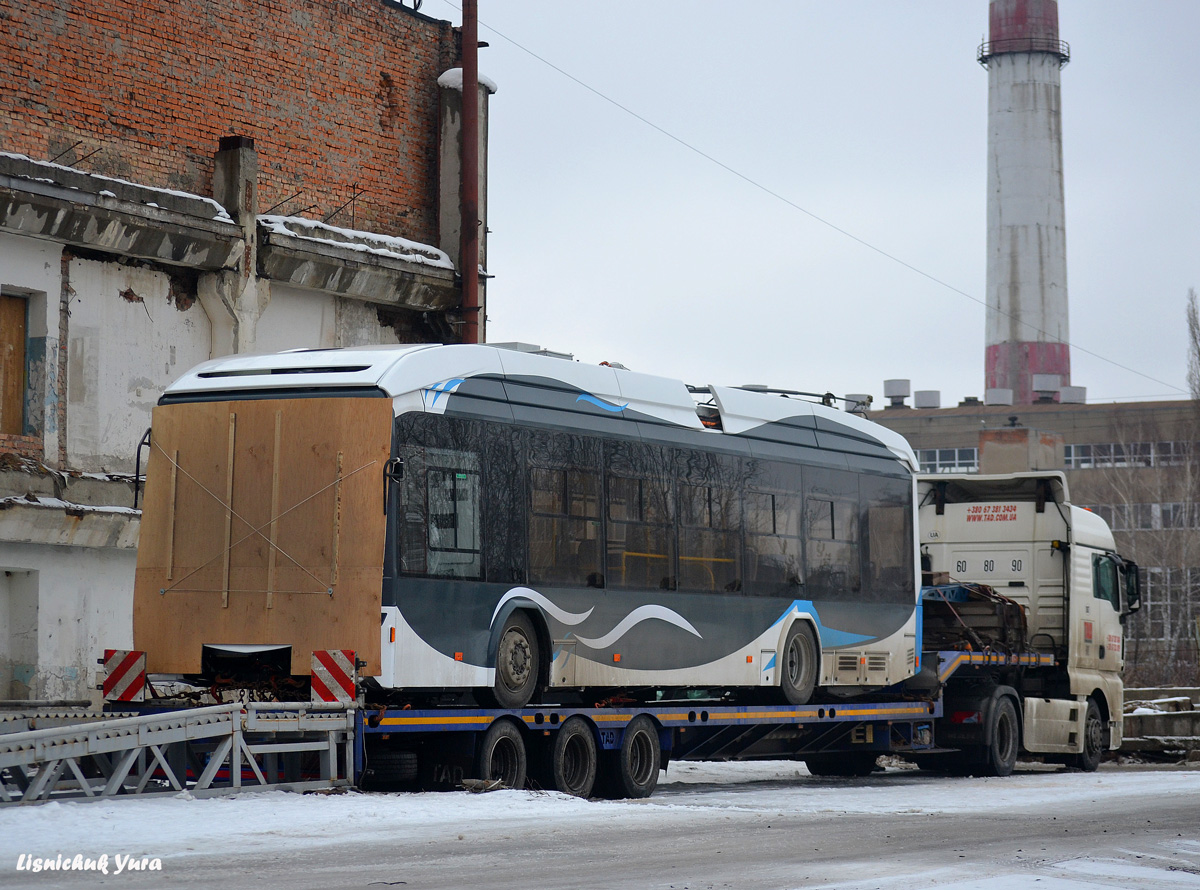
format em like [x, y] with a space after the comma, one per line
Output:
[393, 472]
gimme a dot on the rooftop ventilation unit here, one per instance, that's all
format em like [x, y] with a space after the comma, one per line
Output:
[998, 396]
[1073, 395]
[896, 391]
[927, 398]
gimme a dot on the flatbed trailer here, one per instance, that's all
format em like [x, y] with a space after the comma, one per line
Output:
[617, 749]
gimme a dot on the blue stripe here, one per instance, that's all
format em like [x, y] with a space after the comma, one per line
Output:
[599, 403]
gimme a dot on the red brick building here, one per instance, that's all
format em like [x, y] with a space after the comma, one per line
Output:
[178, 181]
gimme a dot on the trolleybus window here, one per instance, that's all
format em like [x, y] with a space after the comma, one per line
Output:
[773, 542]
[709, 539]
[564, 527]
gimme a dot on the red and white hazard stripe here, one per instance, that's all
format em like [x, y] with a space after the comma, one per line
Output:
[334, 676]
[124, 675]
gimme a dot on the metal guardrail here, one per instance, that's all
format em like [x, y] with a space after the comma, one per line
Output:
[222, 749]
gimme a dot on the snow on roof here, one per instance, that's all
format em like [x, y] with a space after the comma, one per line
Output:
[352, 239]
[218, 211]
[453, 78]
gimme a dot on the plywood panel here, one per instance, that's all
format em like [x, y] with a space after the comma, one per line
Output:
[205, 572]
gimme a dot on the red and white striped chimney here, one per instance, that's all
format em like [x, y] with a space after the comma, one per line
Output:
[1026, 233]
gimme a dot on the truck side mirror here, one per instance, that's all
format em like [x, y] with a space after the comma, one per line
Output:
[1131, 592]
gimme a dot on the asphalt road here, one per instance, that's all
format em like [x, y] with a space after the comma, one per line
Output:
[780, 833]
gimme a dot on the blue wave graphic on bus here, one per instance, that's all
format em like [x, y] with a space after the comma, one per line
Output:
[637, 616]
[600, 403]
[831, 638]
[443, 388]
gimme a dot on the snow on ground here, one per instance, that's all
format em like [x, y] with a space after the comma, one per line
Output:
[179, 825]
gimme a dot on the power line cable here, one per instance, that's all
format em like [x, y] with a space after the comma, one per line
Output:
[825, 222]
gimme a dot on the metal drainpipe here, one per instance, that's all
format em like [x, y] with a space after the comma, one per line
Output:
[469, 245]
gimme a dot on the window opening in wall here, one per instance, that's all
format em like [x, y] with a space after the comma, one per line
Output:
[14, 381]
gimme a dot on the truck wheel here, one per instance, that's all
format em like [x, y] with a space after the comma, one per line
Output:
[1001, 755]
[573, 758]
[632, 772]
[517, 664]
[798, 668]
[500, 755]
[388, 769]
[1093, 741]
[849, 763]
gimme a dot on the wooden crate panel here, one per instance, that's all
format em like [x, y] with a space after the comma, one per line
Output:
[254, 511]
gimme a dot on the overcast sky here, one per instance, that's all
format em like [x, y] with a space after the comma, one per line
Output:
[616, 242]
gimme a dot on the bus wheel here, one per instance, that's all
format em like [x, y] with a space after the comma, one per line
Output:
[1093, 741]
[1001, 755]
[517, 662]
[798, 670]
[500, 755]
[573, 758]
[633, 770]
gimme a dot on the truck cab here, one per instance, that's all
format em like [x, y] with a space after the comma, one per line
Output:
[1020, 535]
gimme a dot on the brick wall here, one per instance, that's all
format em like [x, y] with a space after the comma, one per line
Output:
[334, 92]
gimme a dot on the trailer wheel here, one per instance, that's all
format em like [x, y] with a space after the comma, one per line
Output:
[850, 763]
[1093, 741]
[1000, 757]
[500, 755]
[798, 671]
[632, 772]
[517, 663]
[573, 758]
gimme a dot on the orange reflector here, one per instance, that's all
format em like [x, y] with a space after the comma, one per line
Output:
[862, 660]
[393, 635]
[616, 656]
[458, 656]
[749, 659]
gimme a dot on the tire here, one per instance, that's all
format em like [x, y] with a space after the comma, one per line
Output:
[1094, 742]
[850, 763]
[500, 755]
[389, 768]
[798, 664]
[518, 663]
[1000, 757]
[573, 758]
[632, 772]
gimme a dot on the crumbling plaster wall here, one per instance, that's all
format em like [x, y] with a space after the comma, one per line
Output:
[84, 597]
[129, 336]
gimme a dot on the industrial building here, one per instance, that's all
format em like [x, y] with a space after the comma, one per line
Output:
[1136, 464]
[181, 181]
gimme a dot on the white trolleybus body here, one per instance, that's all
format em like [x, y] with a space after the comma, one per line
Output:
[476, 518]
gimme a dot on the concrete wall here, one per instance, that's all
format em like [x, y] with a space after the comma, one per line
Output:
[297, 317]
[130, 334]
[64, 606]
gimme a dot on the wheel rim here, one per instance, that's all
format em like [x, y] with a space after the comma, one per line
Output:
[641, 757]
[798, 661]
[515, 659]
[505, 760]
[574, 763]
[1092, 736]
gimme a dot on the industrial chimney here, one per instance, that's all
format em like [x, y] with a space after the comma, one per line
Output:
[1026, 232]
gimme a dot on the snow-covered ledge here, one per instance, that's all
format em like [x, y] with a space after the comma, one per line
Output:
[355, 264]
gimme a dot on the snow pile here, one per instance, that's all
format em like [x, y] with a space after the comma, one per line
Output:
[453, 79]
